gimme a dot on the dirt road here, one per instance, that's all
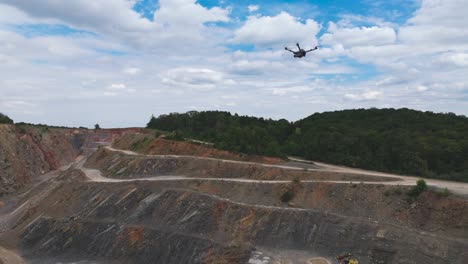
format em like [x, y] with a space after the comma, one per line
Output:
[455, 187]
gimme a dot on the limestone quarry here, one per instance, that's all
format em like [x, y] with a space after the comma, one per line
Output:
[128, 196]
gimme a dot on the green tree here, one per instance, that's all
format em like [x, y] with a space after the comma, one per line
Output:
[4, 119]
[394, 140]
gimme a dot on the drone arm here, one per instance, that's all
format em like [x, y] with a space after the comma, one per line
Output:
[289, 50]
[312, 49]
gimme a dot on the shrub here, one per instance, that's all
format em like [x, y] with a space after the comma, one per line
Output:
[176, 135]
[420, 187]
[287, 196]
[296, 180]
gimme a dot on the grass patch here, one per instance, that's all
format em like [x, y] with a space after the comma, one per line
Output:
[444, 193]
[177, 136]
[140, 144]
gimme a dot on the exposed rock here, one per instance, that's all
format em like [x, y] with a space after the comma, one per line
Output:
[27, 152]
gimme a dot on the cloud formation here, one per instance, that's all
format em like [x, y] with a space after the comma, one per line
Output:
[277, 30]
[186, 56]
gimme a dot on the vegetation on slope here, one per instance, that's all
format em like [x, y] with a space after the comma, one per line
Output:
[394, 140]
[244, 134]
[5, 119]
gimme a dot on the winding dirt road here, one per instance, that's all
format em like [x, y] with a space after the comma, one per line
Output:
[455, 187]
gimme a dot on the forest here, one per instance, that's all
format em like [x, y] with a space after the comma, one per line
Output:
[404, 141]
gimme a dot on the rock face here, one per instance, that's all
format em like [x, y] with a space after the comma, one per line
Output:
[155, 223]
[26, 152]
[125, 244]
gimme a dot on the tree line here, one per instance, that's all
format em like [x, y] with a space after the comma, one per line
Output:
[401, 141]
[4, 119]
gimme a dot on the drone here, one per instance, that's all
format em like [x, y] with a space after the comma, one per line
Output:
[300, 53]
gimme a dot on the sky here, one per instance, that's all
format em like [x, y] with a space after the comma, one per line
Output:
[117, 62]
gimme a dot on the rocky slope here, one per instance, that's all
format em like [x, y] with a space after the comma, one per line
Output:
[27, 152]
[144, 222]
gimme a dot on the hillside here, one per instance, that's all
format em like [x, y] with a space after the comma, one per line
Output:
[394, 140]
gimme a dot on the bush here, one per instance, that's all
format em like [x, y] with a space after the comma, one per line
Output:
[287, 196]
[296, 180]
[176, 135]
[420, 187]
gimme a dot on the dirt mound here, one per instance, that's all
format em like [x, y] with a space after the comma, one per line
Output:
[149, 144]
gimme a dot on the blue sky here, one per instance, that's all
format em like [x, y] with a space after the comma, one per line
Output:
[125, 60]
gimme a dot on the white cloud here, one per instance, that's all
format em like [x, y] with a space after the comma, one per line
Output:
[349, 20]
[421, 88]
[277, 31]
[117, 86]
[284, 91]
[367, 95]
[176, 22]
[437, 22]
[358, 36]
[457, 59]
[104, 15]
[110, 93]
[187, 13]
[253, 8]
[198, 78]
[132, 71]
[255, 67]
